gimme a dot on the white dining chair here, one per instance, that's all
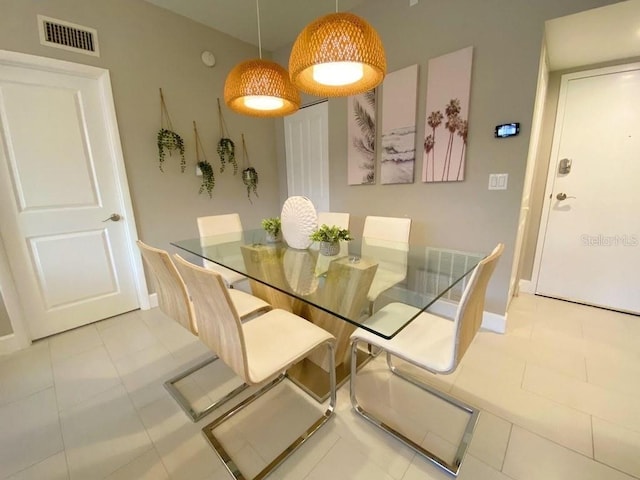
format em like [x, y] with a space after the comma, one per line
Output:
[174, 301]
[259, 352]
[432, 343]
[218, 230]
[387, 240]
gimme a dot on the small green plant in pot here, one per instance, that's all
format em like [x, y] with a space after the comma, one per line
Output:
[329, 238]
[273, 227]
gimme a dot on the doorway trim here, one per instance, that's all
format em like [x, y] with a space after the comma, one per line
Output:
[551, 174]
[21, 336]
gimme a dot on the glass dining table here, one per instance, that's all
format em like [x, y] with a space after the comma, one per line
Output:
[342, 292]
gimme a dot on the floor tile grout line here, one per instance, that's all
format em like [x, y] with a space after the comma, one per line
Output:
[604, 389]
[151, 447]
[593, 440]
[55, 396]
[504, 458]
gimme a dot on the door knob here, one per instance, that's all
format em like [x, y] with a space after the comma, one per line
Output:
[114, 218]
[562, 196]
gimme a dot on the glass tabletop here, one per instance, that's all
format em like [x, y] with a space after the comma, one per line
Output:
[366, 275]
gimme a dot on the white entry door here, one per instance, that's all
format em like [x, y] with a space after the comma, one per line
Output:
[590, 250]
[59, 183]
[306, 134]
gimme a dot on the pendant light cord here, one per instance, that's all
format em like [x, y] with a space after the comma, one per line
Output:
[336, 6]
[259, 39]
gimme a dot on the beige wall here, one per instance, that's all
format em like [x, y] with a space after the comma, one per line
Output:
[506, 36]
[144, 48]
[5, 323]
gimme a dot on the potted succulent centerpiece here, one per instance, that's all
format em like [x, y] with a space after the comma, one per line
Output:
[329, 238]
[272, 227]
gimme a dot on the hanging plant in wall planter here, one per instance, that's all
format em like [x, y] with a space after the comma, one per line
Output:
[208, 178]
[167, 139]
[249, 174]
[226, 148]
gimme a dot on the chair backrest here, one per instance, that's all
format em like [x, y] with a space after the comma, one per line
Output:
[173, 296]
[471, 307]
[229, 226]
[334, 218]
[389, 229]
[219, 325]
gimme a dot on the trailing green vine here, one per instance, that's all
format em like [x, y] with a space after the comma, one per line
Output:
[226, 152]
[226, 148]
[249, 174]
[167, 139]
[208, 177]
[250, 179]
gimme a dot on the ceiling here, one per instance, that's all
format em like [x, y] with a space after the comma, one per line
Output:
[586, 38]
[280, 20]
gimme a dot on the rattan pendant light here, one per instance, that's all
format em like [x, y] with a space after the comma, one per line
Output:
[260, 88]
[337, 55]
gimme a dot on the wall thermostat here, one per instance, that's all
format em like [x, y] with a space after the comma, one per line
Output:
[507, 130]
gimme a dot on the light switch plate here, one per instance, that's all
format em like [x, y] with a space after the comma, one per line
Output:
[498, 181]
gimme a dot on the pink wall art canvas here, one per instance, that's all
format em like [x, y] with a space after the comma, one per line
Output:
[398, 126]
[361, 135]
[447, 124]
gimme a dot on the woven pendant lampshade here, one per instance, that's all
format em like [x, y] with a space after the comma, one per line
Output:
[260, 88]
[337, 55]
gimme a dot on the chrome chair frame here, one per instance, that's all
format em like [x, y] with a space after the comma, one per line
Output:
[230, 465]
[453, 467]
[182, 401]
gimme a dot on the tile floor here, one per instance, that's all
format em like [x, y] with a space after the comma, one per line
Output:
[557, 394]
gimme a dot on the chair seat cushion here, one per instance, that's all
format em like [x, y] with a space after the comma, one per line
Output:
[246, 304]
[427, 342]
[278, 339]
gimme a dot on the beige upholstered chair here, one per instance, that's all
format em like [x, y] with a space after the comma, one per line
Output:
[174, 301]
[435, 344]
[259, 351]
[221, 229]
[387, 240]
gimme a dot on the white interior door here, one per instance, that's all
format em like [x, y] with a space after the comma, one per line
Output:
[306, 134]
[58, 183]
[590, 250]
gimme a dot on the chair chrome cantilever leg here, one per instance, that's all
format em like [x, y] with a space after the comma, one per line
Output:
[184, 404]
[313, 428]
[450, 467]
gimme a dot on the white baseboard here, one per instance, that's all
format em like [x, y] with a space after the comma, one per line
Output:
[526, 286]
[11, 343]
[153, 300]
[494, 322]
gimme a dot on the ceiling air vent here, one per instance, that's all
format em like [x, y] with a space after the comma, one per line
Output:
[69, 36]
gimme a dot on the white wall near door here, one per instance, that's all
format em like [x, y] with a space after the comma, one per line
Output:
[589, 244]
[61, 175]
[307, 149]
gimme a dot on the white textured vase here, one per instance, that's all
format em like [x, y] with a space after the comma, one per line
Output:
[299, 219]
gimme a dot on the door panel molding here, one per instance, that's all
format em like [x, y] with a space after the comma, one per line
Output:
[104, 100]
[549, 198]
